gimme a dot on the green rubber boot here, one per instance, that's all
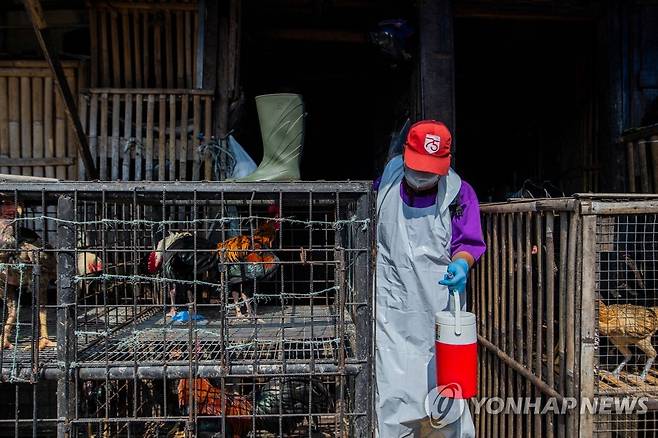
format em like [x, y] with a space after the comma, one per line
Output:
[281, 118]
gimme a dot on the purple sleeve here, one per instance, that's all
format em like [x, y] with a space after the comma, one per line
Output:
[466, 228]
[376, 183]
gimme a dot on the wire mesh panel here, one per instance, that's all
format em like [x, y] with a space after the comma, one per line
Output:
[195, 309]
[627, 316]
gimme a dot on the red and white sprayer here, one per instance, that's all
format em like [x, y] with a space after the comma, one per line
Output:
[456, 350]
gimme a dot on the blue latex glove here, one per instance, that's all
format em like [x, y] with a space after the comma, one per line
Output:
[456, 276]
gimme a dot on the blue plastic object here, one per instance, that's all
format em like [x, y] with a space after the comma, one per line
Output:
[183, 317]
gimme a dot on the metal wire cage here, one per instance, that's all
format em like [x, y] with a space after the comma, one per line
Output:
[195, 309]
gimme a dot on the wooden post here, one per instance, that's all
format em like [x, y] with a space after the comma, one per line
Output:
[437, 71]
[33, 8]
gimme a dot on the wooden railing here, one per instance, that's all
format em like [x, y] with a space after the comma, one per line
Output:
[148, 134]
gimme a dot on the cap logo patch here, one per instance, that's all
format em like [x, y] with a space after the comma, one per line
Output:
[432, 143]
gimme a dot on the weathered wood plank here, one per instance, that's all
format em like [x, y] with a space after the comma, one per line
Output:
[14, 120]
[103, 149]
[127, 135]
[150, 110]
[26, 122]
[162, 127]
[37, 123]
[49, 124]
[139, 145]
[4, 123]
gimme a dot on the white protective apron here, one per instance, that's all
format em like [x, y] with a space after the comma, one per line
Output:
[413, 255]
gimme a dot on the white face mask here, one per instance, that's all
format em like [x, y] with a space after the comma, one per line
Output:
[420, 181]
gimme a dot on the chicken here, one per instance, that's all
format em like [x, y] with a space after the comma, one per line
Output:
[23, 246]
[626, 325]
[249, 259]
[175, 256]
[277, 396]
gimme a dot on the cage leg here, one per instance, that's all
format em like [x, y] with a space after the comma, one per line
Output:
[627, 356]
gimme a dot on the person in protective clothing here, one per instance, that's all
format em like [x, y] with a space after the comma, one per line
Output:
[428, 237]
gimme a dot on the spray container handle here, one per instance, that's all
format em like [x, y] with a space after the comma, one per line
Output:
[458, 323]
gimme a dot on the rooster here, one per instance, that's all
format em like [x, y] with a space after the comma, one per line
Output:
[626, 325]
[175, 258]
[288, 396]
[249, 259]
[23, 246]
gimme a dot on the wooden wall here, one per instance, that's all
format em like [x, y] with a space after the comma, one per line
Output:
[36, 138]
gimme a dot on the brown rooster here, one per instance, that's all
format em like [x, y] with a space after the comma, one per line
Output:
[249, 258]
[279, 405]
[209, 402]
[626, 325]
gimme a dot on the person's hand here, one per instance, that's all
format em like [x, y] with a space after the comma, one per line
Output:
[456, 276]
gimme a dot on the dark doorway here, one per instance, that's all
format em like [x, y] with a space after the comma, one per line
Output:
[526, 109]
[353, 97]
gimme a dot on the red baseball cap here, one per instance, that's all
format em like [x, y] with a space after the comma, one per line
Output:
[427, 148]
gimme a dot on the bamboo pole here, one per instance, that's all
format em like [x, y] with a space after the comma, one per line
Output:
[564, 316]
[540, 305]
[103, 138]
[172, 138]
[496, 314]
[518, 235]
[196, 122]
[490, 305]
[572, 421]
[70, 143]
[37, 123]
[501, 302]
[150, 109]
[208, 130]
[49, 124]
[509, 293]
[183, 137]
[116, 133]
[60, 135]
[162, 147]
[530, 339]
[82, 108]
[93, 127]
[14, 121]
[26, 122]
[4, 124]
[139, 147]
[127, 134]
[550, 312]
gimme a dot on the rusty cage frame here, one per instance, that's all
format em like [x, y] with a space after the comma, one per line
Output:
[536, 294]
[319, 334]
